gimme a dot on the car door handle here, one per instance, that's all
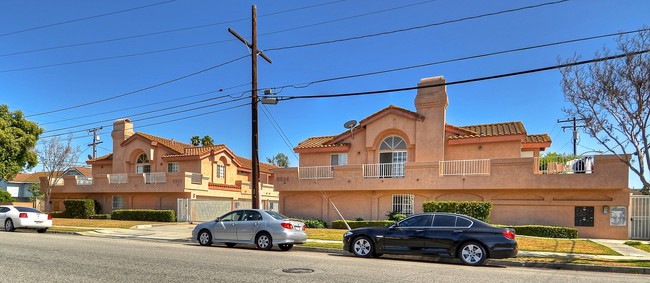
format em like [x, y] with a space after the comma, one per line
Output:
[255, 223]
[458, 231]
[419, 231]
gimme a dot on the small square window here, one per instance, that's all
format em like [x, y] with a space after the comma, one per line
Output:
[118, 202]
[172, 167]
[221, 171]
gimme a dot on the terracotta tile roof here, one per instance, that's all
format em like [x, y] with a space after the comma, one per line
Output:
[389, 108]
[537, 138]
[200, 150]
[34, 177]
[107, 157]
[492, 130]
[248, 164]
[319, 142]
[86, 171]
[179, 147]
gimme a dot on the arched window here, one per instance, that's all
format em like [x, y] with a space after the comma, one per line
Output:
[392, 156]
[142, 164]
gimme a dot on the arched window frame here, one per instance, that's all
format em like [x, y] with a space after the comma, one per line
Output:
[142, 164]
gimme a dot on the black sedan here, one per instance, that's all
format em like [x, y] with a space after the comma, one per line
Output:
[441, 234]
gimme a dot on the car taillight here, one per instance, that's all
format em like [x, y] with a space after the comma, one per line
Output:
[304, 228]
[509, 234]
[49, 217]
[286, 225]
[22, 215]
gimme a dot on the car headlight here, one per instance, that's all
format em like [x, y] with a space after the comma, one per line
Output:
[348, 233]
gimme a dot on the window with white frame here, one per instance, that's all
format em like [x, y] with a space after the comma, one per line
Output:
[142, 164]
[172, 167]
[221, 171]
[118, 202]
[339, 159]
[403, 203]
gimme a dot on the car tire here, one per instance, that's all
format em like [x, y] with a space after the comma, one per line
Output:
[230, 245]
[263, 241]
[363, 247]
[285, 247]
[41, 230]
[9, 225]
[472, 253]
[204, 238]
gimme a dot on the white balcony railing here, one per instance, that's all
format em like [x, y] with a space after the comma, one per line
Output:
[118, 178]
[315, 172]
[464, 167]
[564, 165]
[155, 178]
[383, 170]
[84, 181]
[197, 178]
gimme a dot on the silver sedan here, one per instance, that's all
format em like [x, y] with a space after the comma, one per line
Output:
[263, 228]
[13, 217]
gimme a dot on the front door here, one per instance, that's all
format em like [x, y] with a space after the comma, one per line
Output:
[408, 235]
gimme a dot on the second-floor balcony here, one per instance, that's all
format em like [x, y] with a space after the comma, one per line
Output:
[134, 182]
[497, 174]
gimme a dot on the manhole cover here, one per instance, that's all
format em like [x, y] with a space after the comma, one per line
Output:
[297, 270]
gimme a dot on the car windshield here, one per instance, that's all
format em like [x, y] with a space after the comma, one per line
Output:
[276, 215]
[27, 209]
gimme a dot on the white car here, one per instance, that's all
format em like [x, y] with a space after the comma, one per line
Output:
[12, 217]
[264, 228]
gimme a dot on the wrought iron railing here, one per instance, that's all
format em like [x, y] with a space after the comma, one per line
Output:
[315, 172]
[383, 170]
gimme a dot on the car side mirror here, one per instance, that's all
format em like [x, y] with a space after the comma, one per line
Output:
[218, 219]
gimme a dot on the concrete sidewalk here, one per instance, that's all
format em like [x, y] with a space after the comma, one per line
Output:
[182, 232]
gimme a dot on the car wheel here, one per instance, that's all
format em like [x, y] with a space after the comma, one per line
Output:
[363, 247]
[41, 230]
[9, 225]
[472, 253]
[230, 245]
[285, 247]
[263, 241]
[205, 238]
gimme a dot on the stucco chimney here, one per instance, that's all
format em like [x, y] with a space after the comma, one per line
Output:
[122, 130]
[431, 102]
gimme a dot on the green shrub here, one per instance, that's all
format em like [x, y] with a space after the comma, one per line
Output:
[315, 223]
[477, 209]
[100, 216]
[338, 224]
[79, 208]
[544, 231]
[633, 243]
[59, 214]
[396, 216]
[144, 215]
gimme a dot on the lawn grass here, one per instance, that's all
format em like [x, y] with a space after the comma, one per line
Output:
[639, 245]
[604, 262]
[98, 223]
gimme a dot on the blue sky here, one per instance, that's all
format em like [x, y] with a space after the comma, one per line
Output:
[121, 48]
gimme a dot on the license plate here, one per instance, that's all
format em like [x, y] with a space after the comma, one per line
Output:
[298, 228]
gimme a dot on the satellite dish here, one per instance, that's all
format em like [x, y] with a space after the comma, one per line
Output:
[350, 124]
[90, 157]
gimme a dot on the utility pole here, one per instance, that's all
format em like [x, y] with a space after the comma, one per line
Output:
[96, 140]
[255, 163]
[575, 127]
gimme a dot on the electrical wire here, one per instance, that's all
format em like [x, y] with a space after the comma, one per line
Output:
[85, 18]
[530, 71]
[279, 130]
[304, 85]
[137, 91]
[413, 28]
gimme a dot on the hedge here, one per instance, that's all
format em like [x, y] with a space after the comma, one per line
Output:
[338, 224]
[477, 209]
[544, 231]
[144, 215]
[314, 223]
[79, 208]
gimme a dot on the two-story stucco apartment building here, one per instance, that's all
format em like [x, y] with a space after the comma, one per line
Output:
[396, 159]
[150, 172]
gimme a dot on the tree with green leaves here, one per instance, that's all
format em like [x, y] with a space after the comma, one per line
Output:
[6, 197]
[35, 190]
[18, 137]
[207, 141]
[280, 159]
[195, 141]
[612, 97]
[56, 156]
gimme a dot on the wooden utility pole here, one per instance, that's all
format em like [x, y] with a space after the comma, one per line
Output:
[95, 140]
[575, 131]
[255, 162]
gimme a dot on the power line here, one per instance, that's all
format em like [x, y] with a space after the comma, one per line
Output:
[279, 130]
[414, 28]
[139, 90]
[530, 71]
[156, 33]
[85, 18]
[304, 85]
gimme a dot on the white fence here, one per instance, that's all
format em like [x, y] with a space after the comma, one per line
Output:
[464, 167]
[640, 217]
[155, 178]
[383, 170]
[315, 172]
[84, 181]
[564, 165]
[118, 178]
